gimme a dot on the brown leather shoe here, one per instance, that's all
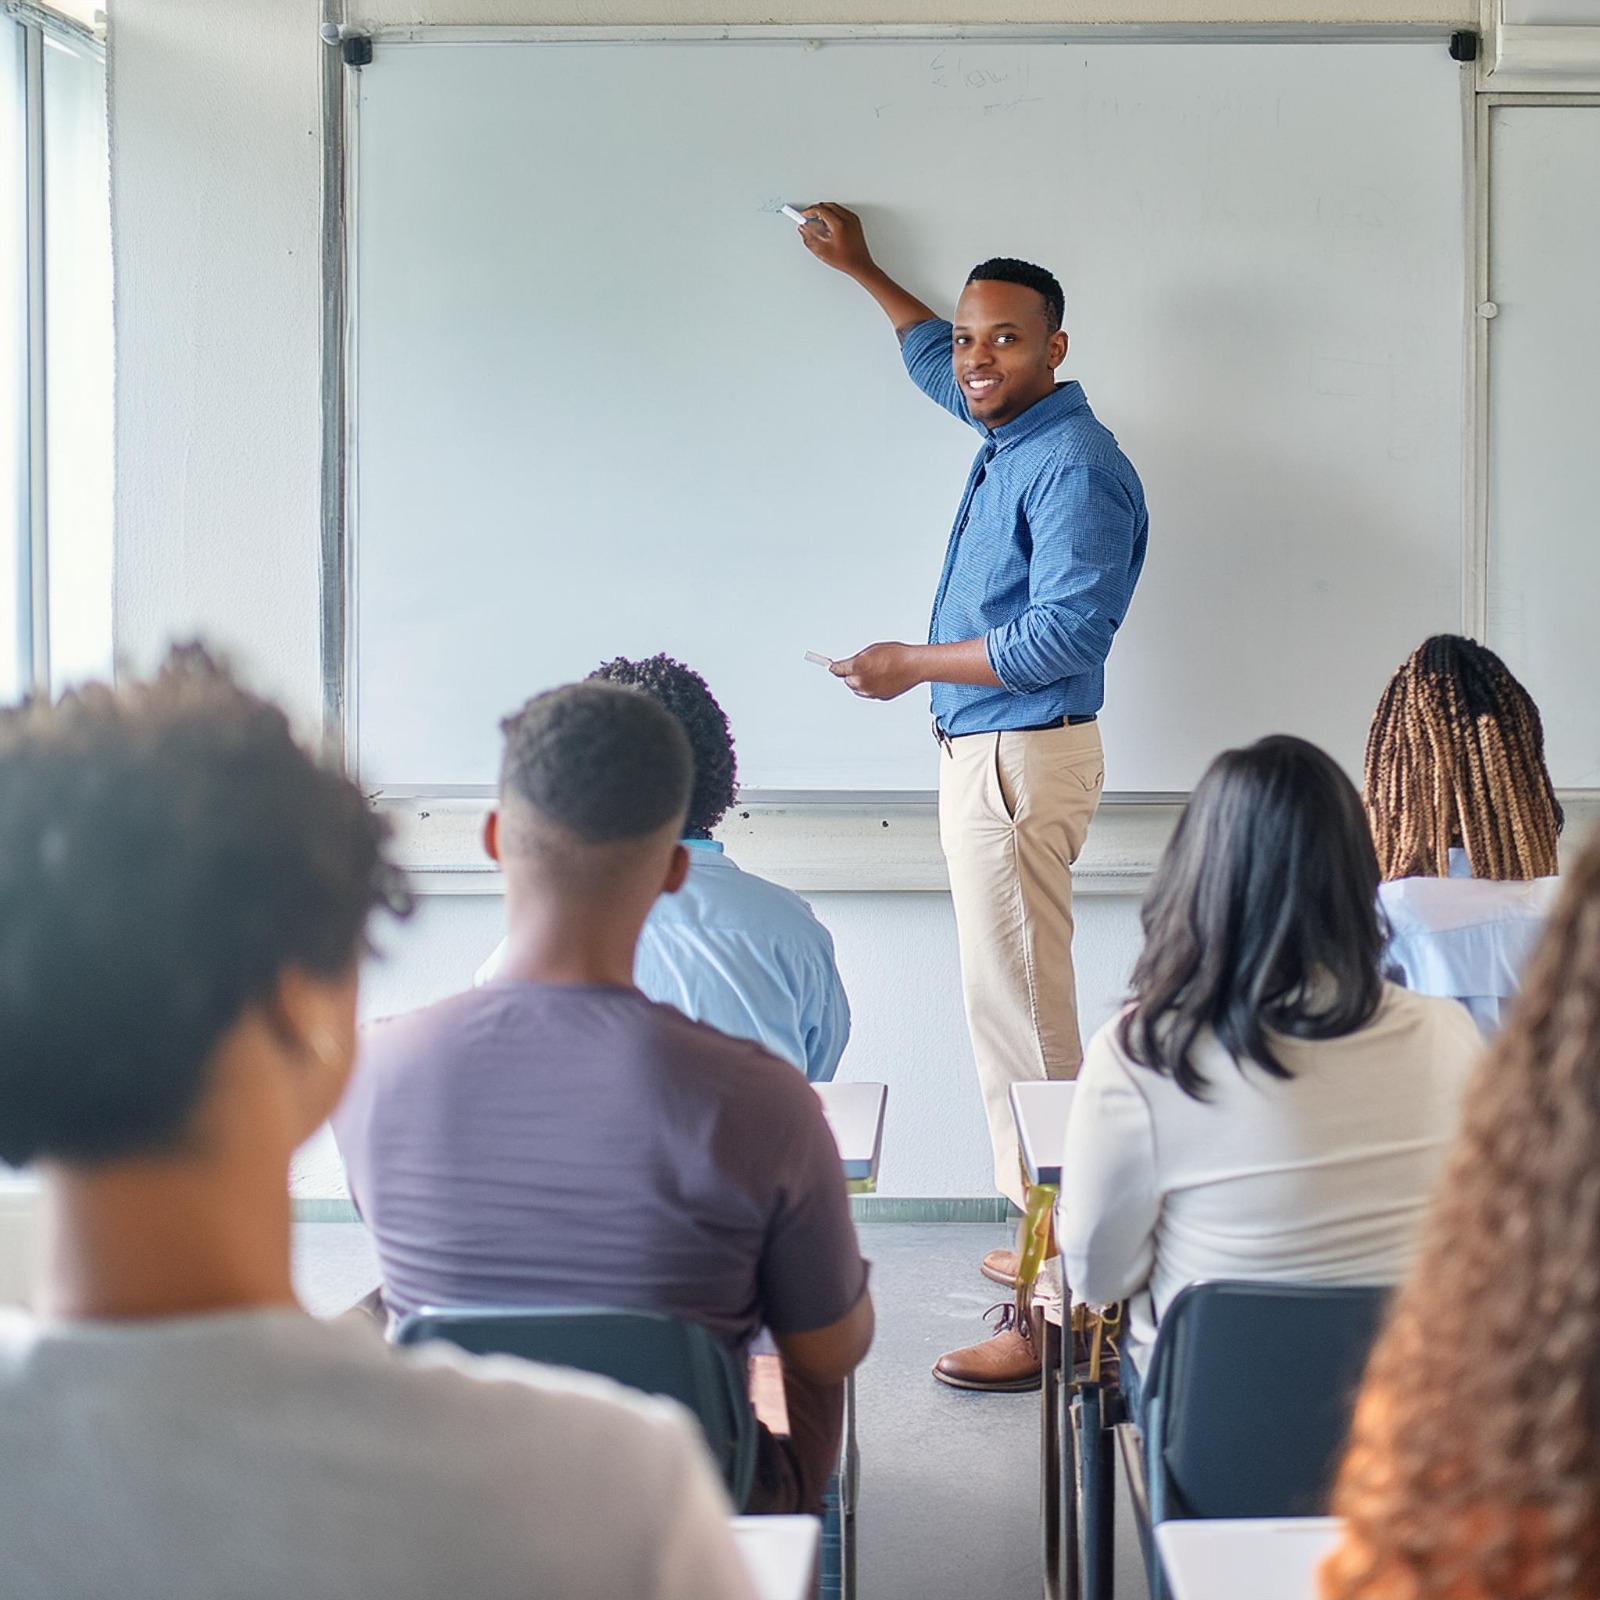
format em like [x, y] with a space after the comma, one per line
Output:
[1000, 1266]
[1006, 1362]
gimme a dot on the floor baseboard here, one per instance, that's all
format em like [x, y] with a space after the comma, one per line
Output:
[865, 1208]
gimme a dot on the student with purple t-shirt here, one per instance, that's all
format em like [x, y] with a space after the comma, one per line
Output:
[556, 1138]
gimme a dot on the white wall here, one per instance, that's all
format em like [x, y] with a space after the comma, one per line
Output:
[215, 179]
[215, 204]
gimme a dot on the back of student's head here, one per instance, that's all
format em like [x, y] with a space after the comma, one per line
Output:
[1262, 914]
[167, 853]
[1455, 757]
[1475, 1466]
[594, 778]
[689, 698]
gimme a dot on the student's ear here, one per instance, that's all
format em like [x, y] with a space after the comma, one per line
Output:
[318, 1018]
[1057, 348]
[491, 836]
[677, 870]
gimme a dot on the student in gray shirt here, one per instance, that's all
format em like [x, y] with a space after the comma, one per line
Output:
[183, 894]
[555, 1138]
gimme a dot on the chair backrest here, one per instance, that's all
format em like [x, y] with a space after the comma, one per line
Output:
[1249, 1394]
[645, 1350]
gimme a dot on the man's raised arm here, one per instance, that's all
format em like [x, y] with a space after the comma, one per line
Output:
[836, 237]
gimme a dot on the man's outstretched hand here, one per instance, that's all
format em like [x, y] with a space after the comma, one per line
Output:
[881, 671]
[837, 238]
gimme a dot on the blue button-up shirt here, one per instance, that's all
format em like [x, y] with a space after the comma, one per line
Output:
[742, 955]
[1046, 548]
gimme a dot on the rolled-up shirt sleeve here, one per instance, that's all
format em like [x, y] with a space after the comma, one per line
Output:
[1083, 524]
[925, 349]
[1110, 1202]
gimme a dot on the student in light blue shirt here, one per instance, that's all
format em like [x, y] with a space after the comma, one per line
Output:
[745, 956]
[1466, 823]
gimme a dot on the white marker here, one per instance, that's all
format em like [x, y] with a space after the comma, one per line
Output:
[794, 214]
[820, 659]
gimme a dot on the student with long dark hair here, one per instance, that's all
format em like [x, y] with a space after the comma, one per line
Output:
[1266, 1106]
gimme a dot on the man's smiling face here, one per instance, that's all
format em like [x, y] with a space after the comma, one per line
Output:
[1003, 350]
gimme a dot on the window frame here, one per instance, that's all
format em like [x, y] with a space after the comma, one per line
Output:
[38, 25]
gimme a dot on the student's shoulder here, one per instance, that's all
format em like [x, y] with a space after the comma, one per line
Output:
[402, 1030]
[1446, 1024]
[524, 1404]
[478, 1423]
[1107, 1059]
[728, 895]
[740, 1066]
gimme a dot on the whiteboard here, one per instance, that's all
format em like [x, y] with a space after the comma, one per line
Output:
[1544, 420]
[605, 404]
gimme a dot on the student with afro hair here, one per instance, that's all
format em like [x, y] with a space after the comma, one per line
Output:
[729, 949]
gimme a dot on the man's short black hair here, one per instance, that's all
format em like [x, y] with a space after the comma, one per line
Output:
[603, 762]
[167, 851]
[1006, 269]
[686, 695]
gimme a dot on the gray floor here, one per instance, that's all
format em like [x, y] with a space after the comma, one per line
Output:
[949, 1480]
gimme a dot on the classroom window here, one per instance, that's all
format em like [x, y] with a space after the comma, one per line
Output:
[55, 360]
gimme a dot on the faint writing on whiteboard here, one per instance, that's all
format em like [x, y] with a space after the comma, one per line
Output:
[990, 83]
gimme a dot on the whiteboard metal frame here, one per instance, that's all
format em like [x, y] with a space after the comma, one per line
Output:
[821, 842]
[1584, 802]
[899, 32]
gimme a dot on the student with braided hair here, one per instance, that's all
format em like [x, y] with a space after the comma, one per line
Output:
[1473, 1470]
[1465, 820]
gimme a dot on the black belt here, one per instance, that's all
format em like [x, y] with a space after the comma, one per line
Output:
[1033, 727]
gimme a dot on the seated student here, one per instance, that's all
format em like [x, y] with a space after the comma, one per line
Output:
[555, 1138]
[183, 893]
[1266, 1106]
[1465, 820]
[729, 949]
[1473, 1470]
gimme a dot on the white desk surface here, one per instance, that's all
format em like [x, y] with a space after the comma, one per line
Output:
[780, 1553]
[1040, 1111]
[855, 1113]
[1255, 1558]
[21, 1239]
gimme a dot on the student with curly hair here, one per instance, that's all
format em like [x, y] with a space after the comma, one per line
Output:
[1474, 1464]
[743, 955]
[183, 899]
[1465, 820]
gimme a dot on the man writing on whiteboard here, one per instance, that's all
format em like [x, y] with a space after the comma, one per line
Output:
[1046, 547]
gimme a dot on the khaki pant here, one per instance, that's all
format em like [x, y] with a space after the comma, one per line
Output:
[1014, 810]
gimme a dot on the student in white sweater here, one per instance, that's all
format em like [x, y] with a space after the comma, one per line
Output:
[1266, 1106]
[183, 894]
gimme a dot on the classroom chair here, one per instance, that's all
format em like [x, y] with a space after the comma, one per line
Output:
[659, 1354]
[1247, 1403]
[645, 1350]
